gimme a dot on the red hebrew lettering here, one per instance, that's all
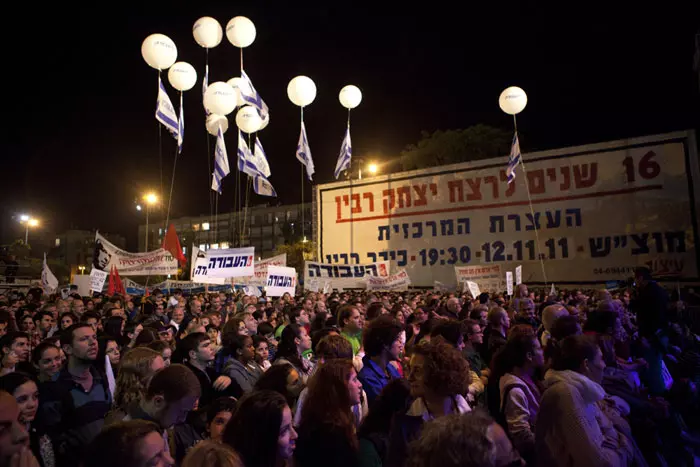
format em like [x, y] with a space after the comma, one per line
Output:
[456, 190]
[404, 194]
[494, 184]
[337, 208]
[370, 196]
[356, 208]
[475, 186]
[420, 200]
[391, 202]
[585, 175]
[511, 186]
[535, 179]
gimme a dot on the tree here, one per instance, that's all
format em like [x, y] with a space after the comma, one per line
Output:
[297, 253]
[454, 146]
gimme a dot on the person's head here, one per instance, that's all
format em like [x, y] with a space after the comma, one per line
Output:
[213, 333]
[294, 341]
[46, 357]
[468, 440]
[350, 319]
[79, 343]
[526, 308]
[522, 350]
[67, 319]
[26, 324]
[25, 391]
[385, 336]
[92, 318]
[195, 349]
[250, 323]
[242, 348]
[438, 369]
[114, 326]
[262, 349]
[78, 307]
[137, 367]
[108, 345]
[13, 435]
[218, 415]
[550, 314]
[332, 392]
[171, 395]
[44, 321]
[146, 336]
[421, 315]
[17, 343]
[261, 429]
[178, 315]
[642, 276]
[137, 443]
[474, 333]
[332, 347]
[450, 330]
[480, 314]
[498, 318]
[284, 379]
[212, 453]
[164, 349]
[580, 354]
[395, 398]
[453, 305]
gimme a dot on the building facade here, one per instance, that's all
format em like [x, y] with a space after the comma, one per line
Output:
[263, 227]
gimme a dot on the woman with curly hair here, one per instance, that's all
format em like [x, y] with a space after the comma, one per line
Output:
[327, 428]
[439, 377]
[138, 365]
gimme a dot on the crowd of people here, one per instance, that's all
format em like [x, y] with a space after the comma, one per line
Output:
[351, 378]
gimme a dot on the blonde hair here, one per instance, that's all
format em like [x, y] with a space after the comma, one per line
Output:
[134, 374]
[212, 454]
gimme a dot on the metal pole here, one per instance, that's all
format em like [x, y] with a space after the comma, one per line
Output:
[145, 247]
[26, 234]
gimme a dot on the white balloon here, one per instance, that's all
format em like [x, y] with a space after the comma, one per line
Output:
[240, 31]
[512, 100]
[207, 32]
[238, 84]
[350, 96]
[213, 122]
[159, 51]
[301, 91]
[248, 119]
[182, 76]
[220, 98]
[265, 122]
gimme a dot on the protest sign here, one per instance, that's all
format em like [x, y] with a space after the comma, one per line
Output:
[97, 279]
[231, 262]
[280, 280]
[509, 282]
[518, 275]
[343, 276]
[259, 279]
[198, 267]
[487, 277]
[399, 281]
[473, 288]
[157, 262]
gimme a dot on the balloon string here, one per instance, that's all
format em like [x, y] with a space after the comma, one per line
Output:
[160, 155]
[172, 179]
[532, 211]
[209, 173]
[241, 61]
[348, 118]
[302, 183]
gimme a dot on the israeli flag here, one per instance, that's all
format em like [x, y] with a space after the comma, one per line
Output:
[251, 96]
[165, 112]
[205, 85]
[260, 158]
[263, 187]
[513, 159]
[246, 162]
[345, 155]
[304, 152]
[181, 128]
[221, 168]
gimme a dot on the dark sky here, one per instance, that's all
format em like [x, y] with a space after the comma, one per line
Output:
[80, 141]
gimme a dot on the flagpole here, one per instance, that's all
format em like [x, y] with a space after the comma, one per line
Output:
[172, 179]
[352, 225]
[160, 151]
[532, 211]
[210, 174]
[302, 185]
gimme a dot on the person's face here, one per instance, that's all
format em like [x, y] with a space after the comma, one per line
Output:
[27, 324]
[84, 345]
[594, 368]
[54, 312]
[102, 258]
[304, 340]
[303, 317]
[90, 306]
[92, 322]
[483, 319]
[416, 375]
[396, 348]
[50, 362]
[205, 351]
[626, 298]
[78, 307]
[248, 350]
[537, 354]
[527, 310]
[112, 351]
[308, 305]
[196, 307]
[476, 335]
[251, 324]
[215, 320]
[46, 323]
[294, 383]
[213, 334]
[354, 388]
[21, 348]
[320, 306]
[400, 317]
[118, 312]
[66, 321]
[262, 352]
[286, 442]
[242, 329]
[505, 321]
[27, 397]
[178, 315]
[177, 411]
[420, 316]
[354, 323]
[159, 309]
[218, 425]
[205, 322]
[152, 452]
[13, 434]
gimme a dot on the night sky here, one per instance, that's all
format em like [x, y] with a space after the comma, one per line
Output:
[80, 141]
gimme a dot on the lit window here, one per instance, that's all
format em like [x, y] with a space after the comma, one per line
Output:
[195, 227]
[214, 246]
[205, 225]
[58, 242]
[203, 246]
[225, 245]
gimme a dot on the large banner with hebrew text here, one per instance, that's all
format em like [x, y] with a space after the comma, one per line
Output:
[598, 211]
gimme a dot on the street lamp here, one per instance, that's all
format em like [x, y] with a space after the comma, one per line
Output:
[82, 270]
[150, 199]
[28, 222]
[372, 168]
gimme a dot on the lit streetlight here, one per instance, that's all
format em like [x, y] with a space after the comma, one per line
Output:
[150, 199]
[82, 270]
[28, 222]
[372, 168]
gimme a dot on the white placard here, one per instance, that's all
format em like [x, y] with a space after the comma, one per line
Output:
[399, 281]
[430, 220]
[327, 287]
[280, 280]
[341, 276]
[473, 288]
[518, 275]
[199, 264]
[509, 282]
[259, 279]
[231, 262]
[97, 279]
[157, 262]
[252, 290]
[489, 278]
